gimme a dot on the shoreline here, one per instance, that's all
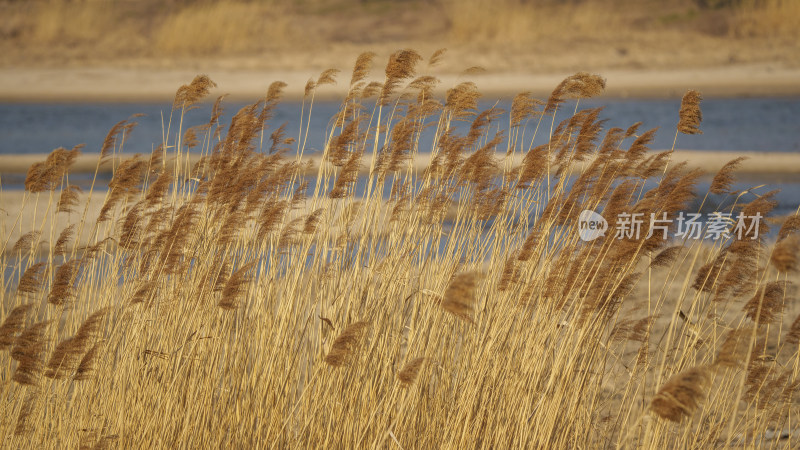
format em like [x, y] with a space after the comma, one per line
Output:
[97, 84]
[756, 164]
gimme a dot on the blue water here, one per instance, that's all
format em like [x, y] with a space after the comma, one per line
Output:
[741, 124]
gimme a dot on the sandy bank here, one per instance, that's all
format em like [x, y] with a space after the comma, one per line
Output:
[116, 84]
[756, 164]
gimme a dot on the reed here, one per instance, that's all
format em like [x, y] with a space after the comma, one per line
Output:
[241, 302]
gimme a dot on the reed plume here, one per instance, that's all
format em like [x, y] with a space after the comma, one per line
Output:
[528, 247]
[341, 146]
[401, 66]
[37, 178]
[132, 227]
[372, 89]
[362, 67]
[31, 280]
[96, 442]
[580, 85]
[87, 367]
[125, 182]
[29, 350]
[47, 175]
[346, 343]
[459, 297]
[534, 166]
[62, 289]
[189, 94]
[522, 108]
[64, 360]
[288, 236]
[110, 142]
[768, 302]
[510, 274]
[312, 221]
[639, 147]
[682, 394]
[408, 374]
[69, 199]
[437, 57]
[708, 274]
[174, 240]
[236, 286]
[26, 242]
[144, 293]
[690, 114]
[784, 255]
[309, 88]
[328, 76]
[69, 353]
[632, 130]
[473, 70]
[666, 257]
[26, 419]
[462, 100]
[347, 177]
[724, 178]
[759, 371]
[792, 336]
[789, 226]
[279, 140]
[758, 207]
[190, 138]
[632, 330]
[13, 324]
[733, 351]
[270, 217]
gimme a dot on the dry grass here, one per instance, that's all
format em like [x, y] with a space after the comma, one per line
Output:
[758, 18]
[519, 22]
[222, 27]
[267, 33]
[231, 301]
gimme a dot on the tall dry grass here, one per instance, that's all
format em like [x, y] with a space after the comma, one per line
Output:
[765, 18]
[100, 31]
[520, 22]
[237, 302]
[119, 29]
[222, 27]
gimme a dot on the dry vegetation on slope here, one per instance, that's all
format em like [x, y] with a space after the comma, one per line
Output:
[538, 35]
[236, 303]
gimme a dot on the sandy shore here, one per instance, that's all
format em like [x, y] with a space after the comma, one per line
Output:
[756, 164]
[120, 84]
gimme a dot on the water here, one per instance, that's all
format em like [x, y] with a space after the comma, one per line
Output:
[741, 124]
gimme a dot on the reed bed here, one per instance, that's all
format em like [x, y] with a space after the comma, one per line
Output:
[235, 301]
